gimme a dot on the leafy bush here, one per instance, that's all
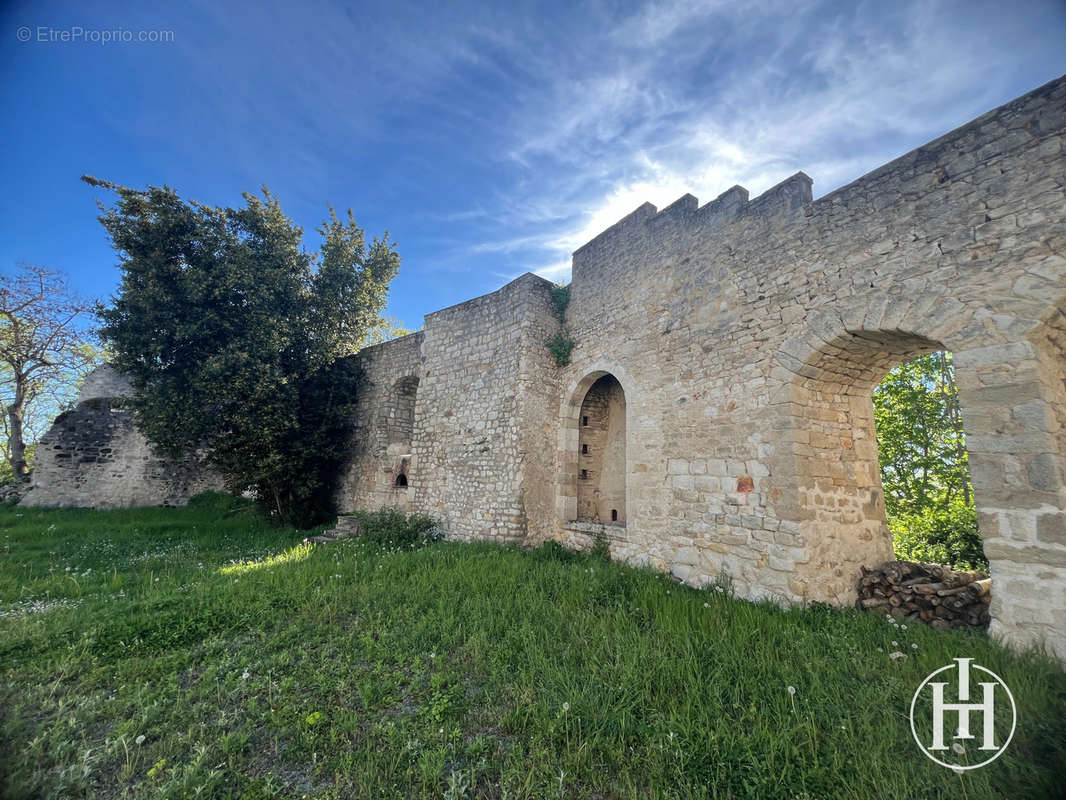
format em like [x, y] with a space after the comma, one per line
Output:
[941, 536]
[561, 343]
[395, 529]
[560, 346]
[561, 299]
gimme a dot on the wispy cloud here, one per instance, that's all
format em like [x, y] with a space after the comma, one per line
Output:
[696, 96]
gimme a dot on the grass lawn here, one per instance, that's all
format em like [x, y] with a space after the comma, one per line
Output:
[204, 653]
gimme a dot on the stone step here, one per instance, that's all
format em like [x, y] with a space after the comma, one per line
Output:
[348, 526]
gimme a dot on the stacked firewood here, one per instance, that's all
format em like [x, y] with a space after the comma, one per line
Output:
[931, 593]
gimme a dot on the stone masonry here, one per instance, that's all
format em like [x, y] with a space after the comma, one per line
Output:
[93, 455]
[730, 351]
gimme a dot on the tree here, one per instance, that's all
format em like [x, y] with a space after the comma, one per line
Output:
[233, 337]
[924, 466]
[45, 348]
[920, 438]
[388, 328]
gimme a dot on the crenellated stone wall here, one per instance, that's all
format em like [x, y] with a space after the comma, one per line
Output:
[741, 341]
[748, 337]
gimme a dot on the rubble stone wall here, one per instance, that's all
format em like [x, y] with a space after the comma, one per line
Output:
[94, 456]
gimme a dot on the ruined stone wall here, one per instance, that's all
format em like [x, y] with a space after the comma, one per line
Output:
[384, 427]
[94, 456]
[747, 337]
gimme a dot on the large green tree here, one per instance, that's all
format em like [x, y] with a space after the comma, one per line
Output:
[924, 466]
[233, 336]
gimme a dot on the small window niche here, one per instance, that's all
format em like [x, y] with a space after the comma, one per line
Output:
[584, 449]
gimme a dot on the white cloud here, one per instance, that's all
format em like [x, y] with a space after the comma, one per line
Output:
[832, 90]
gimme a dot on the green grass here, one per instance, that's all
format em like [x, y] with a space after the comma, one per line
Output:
[254, 667]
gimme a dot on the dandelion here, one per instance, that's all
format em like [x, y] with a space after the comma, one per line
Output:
[895, 644]
[139, 739]
[432, 655]
[958, 748]
[898, 656]
[914, 646]
[792, 697]
[903, 627]
[706, 605]
[441, 730]
[566, 707]
[246, 675]
[791, 689]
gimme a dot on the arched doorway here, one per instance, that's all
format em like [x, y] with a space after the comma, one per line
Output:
[599, 477]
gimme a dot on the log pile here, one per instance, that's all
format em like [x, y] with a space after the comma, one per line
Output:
[930, 593]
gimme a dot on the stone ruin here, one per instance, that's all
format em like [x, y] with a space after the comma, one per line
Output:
[716, 415]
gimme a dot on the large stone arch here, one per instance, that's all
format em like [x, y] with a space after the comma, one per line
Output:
[1012, 397]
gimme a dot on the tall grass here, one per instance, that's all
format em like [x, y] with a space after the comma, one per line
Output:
[253, 666]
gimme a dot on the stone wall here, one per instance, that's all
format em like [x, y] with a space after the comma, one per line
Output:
[93, 456]
[741, 341]
[384, 427]
[748, 337]
[484, 414]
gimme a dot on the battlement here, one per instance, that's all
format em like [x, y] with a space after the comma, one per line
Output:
[786, 197]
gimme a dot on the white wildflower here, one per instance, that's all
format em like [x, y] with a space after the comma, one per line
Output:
[897, 656]
[958, 748]
[566, 706]
[139, 739]
[791, 689]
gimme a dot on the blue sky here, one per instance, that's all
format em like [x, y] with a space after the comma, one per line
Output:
[490, 139]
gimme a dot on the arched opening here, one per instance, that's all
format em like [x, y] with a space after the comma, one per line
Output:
[601, 453]
[837, 492]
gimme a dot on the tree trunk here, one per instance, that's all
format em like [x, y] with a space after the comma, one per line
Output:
[16, 447]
